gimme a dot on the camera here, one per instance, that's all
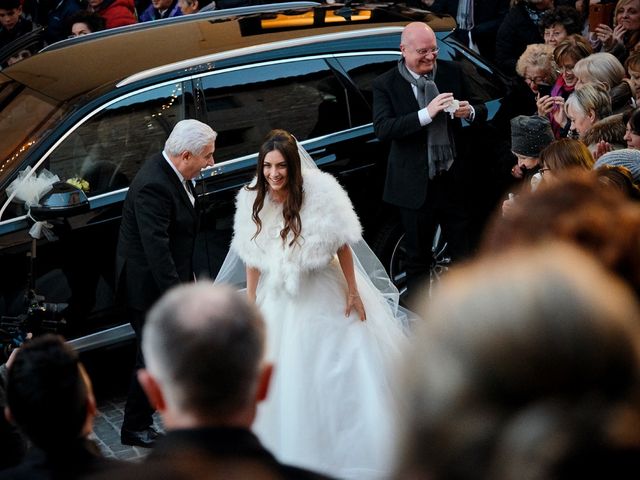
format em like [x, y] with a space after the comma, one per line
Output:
[39, 317]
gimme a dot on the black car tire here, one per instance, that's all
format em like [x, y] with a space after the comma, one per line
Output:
[389, 247]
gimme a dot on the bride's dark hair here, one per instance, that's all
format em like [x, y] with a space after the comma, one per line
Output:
[283, 142]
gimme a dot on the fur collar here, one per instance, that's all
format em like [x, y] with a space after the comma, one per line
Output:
[328, 222]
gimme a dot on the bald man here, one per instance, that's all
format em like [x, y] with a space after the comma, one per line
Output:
[417, 107]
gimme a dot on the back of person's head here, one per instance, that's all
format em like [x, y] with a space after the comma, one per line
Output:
[591, 98]
[530, 135]
[601, 67]
[609, 129]
[620, 178]
[574, 47]
[48, 393]
[204, 346]
[526, 369]
[578, 209]
[629, 158]
[189, 136]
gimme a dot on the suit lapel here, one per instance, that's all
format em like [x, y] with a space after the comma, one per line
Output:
[175, 181]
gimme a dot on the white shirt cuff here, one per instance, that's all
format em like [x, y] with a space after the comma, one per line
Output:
[424, 117]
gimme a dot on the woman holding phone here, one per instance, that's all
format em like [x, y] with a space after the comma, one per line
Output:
[569, 52]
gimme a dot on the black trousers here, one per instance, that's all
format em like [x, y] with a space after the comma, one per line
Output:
[137, 411]
[444, 205]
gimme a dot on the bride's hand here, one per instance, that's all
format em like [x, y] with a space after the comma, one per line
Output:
[354, 302]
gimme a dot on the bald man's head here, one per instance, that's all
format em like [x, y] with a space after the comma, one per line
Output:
[419, 48]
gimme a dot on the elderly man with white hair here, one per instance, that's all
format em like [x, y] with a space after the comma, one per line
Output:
[156, 244]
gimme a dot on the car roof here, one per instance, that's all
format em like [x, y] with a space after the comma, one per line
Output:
[78, 66]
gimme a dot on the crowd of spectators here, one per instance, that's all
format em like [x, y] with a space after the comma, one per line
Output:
[527, 362]
[58, 17]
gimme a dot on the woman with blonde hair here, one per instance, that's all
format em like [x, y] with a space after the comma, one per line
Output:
[586, 106]
[621, 39]
[537, 68]
[606, 69]
[599, 67]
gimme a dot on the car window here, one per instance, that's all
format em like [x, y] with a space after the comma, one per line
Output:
[363, 70]
[243, 105]
[106, 151]
[24, 116]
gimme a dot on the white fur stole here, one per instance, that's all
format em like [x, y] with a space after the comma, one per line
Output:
[328, 222]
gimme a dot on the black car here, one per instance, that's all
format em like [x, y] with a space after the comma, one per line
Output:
[95, 108]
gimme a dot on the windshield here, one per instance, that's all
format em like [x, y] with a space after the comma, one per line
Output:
[24, 116]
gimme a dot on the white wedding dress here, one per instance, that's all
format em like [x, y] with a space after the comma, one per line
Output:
[331, 404]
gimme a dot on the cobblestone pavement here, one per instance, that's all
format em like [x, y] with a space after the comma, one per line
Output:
[110, 370]
[106, 430]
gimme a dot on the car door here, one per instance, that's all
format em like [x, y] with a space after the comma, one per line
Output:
[101, 152]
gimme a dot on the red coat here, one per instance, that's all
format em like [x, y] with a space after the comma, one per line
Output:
[117, 13]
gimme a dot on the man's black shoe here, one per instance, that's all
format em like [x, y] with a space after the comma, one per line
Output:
[140, 438]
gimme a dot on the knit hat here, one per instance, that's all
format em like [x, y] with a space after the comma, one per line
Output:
[530, 135]
[627, 157]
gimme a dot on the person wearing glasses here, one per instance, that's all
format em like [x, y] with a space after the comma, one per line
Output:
[569, 52]
[417, 108]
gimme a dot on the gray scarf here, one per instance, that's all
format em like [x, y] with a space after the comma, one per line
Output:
[440, 151]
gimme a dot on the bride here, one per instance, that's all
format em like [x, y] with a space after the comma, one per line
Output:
[331, 333]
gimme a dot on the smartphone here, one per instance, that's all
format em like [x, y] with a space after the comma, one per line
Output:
[544, 89]
[600, 13]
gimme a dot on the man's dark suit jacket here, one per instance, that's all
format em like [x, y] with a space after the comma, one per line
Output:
[395, 119]
[157, 235]
[226, 445]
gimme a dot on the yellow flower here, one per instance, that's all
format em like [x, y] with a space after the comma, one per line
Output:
[80, 183]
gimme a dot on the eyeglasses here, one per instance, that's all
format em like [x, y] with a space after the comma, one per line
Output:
[544, 169]
[536, 80]
[566, 68]
[427, 51]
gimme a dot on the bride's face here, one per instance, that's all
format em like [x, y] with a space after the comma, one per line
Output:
[275, 172]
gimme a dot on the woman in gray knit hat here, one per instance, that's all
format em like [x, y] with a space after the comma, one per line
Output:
[529, 136]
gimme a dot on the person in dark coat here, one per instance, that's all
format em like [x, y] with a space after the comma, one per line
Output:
[206, 373]
[423, 178]
[50, 398]
[156, 244]
[486, 17]
[161, 9]
[13, 24]
[520, 27]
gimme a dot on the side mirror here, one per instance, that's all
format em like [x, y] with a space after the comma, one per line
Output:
[63, 200]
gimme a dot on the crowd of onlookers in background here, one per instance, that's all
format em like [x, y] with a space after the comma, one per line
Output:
[527, 362]
[70, 18]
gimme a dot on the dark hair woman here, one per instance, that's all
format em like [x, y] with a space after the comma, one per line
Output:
[295, 231]
[279, 172]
